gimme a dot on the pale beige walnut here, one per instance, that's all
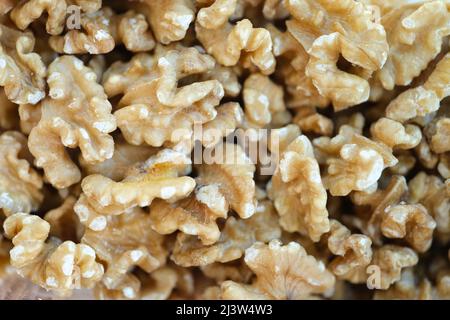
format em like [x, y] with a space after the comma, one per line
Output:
[29, 115]
[355, 163]
[263, 99]
[64, 223]
[430, 191]
[20, 184]
[379, 202]
[9, 119]
[216, 14]
[169, 19]
[228, 42]
[195, 215]
[415, 33]
[101, 31]
[353, 252]
[229, 117]
[406, 162]
[440, 142]
[411, 222]
[128, 241]
[236, 236]
[396, 135]
[228, 166]
[161, 176]
[390, 260]
[444, 165]
[310, 121]
[424, 99]
[22, 71]
[125, 156]
[328, 30]
[227, 76]
[406, 288]
[298, 193]
[76, 113]
[27, 11]
[51, 264]
[152, 109]
[282, 272]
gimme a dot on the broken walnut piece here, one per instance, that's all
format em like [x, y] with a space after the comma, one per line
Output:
[227, 166]
[128, 241]
[282, 272]
[396, 135]
[353, 252]
[20, 185]
[391, 260]
[236, 236]
[161, 176]
[424, 99]
[195, 215]
[27, 11]
[22, 71]
[440, 141]
[415, 33]
[51, 264]
[328, 30]
[101, 31]
[411, 222]
[228, 42]
[297, 191]
[153, 108]
[310, 121]
[76, 113]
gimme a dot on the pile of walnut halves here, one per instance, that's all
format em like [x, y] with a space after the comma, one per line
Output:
[98, 190]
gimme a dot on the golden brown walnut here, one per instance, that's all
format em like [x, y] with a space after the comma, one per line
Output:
[195, 215]
[228, 42]
[391, 260]
[20, 184]
[440, 142]
[282, 272]
[404, 289]
[125, 156]
[424, 99]
[444, 165]
[236, 236]
[216, 14]
[101, 31]
[154, 108]
[328, 30]
[310, 121]
[127, 242]
[396, 135]
[169, 19]
[298, 193]
[415, 33]
[9, 119]
[76, 113]
[22, 71]
[262, 100]
[161, 176]
[229, 167]
[27, 11]
[430, 191]
[64, 223]
[355, 163]
[411, 222]
[379, 202]
[353, 251]
[51, 264]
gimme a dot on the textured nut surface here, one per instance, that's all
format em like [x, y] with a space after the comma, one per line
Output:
[283, 272]
[76, 113]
